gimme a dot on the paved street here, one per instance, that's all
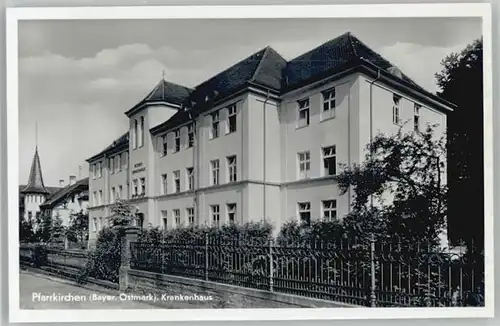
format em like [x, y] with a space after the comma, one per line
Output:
[45, 292]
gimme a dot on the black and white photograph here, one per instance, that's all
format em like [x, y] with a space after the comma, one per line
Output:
[214, 163]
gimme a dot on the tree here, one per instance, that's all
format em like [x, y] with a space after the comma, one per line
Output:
[122, 214]
[398, 189]
[26, 231]
[461, 82]
[78, 230]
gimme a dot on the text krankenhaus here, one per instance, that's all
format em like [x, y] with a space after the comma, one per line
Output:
[58, 297]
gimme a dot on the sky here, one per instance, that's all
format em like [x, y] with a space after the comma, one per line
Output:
[78, 77]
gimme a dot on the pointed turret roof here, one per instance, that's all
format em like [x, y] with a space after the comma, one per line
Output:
[35, 181]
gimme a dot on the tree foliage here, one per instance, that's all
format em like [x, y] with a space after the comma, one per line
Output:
[398, 190]
[78, 230]
[461, 83]
[122, 213]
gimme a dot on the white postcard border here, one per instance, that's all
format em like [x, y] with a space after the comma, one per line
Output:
[481, 10]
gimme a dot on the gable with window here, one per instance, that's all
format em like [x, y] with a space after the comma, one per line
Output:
[329, 210]
[329, 104]
[214, 130]
[305, 212]
[396, 102]
[214, 165]
[329, 161]
[231, 118]
[231, 168]
[304, 164]
[303, 118]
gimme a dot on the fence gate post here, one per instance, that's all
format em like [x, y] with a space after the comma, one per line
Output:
[271, 270]
[206, 256]
[128, 235]
[373, 297]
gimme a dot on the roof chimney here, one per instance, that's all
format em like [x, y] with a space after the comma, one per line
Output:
[61, 183]
[72, 180]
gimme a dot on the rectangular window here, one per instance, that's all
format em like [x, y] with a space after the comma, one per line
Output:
[125, 160]
[177, 217]
[164, 145]
[92, 170]
[329, 210]
[143, 186]
[231, 168]
[416, 117]
[305, 212]
[190, 215]
[231, 119]
[177, 181]
[328, 104]
[190, 135]
[303, 113]
[94, 225]
[396, 99]
[141, 132]
[118, 166]
[164, 184]
[135, 129]
[304, 164]
[231, 213]
[214, 131]
[329, 161]
[112, 195]
[215, 215]
[100, 197]
[214, 172]
[99, 170]
[94, 198]
[177, 140]
[135, 189]
[164, 219]
[111, 165]
[120, 192]
[190, 178]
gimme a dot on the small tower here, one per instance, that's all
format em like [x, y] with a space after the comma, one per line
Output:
[35, 192]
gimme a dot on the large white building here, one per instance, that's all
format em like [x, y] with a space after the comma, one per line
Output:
[262, 140]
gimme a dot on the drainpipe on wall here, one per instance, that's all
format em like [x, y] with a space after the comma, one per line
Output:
[264, 206]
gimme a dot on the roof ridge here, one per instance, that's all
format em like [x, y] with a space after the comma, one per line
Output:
[319, 46]
[231, 66]
[351, 36]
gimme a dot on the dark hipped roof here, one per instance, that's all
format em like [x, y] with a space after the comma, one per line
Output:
[63, 193]
[164, 91]
[262, 68]
[335, 53]
[116, 145]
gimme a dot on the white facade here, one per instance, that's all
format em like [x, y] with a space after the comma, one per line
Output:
[272, 166]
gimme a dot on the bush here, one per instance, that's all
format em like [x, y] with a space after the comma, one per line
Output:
[104, 261]
[39, 255]
[297, 233]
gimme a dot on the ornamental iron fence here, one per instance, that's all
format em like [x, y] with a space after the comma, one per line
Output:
[369, 273]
